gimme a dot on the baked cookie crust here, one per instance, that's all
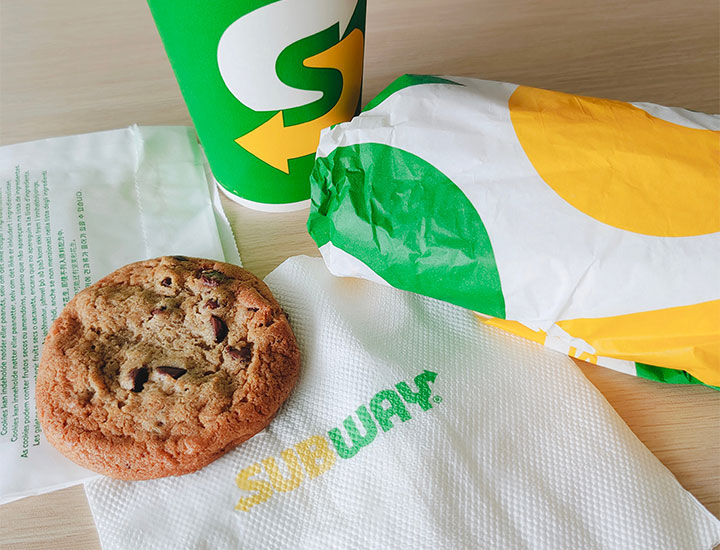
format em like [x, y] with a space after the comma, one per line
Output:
[163, 366]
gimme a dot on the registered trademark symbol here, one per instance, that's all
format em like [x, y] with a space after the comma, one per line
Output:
[437, 399]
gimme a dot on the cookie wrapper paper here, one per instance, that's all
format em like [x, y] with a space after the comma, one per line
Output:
[414, 426]
[73, 209]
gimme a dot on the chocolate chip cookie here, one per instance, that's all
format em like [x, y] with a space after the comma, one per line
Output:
[163, 366]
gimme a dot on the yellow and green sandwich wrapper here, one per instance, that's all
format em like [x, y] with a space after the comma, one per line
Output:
[589, 225]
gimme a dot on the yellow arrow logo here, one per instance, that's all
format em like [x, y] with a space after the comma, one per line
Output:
[274, 143]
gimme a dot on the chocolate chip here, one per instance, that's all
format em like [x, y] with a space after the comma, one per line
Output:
[157, 310]
[253, 309]
[219, 327]
[212, 278]
[243, 353]
[167, 281]
[208, 281]
[179, 258]
[175, 372]
[139, 377]
[212, 303]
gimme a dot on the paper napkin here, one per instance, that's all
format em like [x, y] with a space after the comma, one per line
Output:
[413, 426]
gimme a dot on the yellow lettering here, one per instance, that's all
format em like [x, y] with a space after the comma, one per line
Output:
[312, 450]
[279, 482]
[244, 481]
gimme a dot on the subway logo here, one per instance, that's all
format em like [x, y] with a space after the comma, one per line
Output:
[317, 454]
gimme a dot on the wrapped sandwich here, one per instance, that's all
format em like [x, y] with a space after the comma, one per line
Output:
[589, 225]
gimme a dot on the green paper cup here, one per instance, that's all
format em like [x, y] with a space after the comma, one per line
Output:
[261, 79]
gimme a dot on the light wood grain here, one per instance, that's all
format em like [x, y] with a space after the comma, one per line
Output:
[72, 67]
[59, 520]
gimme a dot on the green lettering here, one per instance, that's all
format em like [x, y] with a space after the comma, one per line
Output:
[422, 396]
[383, 415]
[358, 441]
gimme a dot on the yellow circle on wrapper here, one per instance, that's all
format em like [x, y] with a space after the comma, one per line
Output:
[607, 157]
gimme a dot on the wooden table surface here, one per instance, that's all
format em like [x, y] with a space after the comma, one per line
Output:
[77, 66]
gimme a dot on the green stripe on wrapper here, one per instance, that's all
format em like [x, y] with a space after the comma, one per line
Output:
[407, 221]
[403, 82]
[669, 376]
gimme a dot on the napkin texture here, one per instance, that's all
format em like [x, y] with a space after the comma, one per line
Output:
[483, 440]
